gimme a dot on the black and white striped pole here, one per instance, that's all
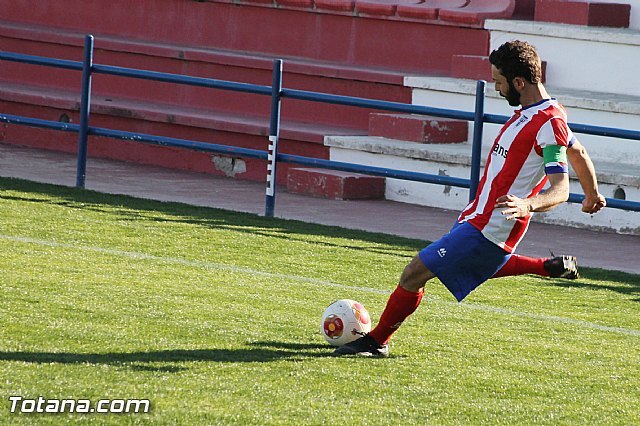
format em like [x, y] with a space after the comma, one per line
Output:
[274, 134]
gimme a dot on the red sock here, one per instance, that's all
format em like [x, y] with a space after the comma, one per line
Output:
[400, 305]
[520, 265]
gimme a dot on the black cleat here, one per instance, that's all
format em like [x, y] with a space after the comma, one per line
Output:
[562, 267]
[364, 346]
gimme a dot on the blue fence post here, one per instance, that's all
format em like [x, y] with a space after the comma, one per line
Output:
[274, 134]
[85, 109]
[476, 150]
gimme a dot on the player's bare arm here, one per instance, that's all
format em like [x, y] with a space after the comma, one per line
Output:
[515, 207]
[583, 166]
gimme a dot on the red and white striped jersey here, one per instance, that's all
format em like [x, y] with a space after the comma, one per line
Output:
[516, 166]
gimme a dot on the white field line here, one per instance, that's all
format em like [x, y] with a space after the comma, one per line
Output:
[251, 271]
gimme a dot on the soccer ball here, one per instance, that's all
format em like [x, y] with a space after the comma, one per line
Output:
[344, 321]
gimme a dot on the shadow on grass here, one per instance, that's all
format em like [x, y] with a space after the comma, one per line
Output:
[171, 360]
[137, 209]
[599, 279]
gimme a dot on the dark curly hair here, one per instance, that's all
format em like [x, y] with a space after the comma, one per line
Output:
[518, 59]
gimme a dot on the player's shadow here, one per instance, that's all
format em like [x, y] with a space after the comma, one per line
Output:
[172, 360]
[595, 279]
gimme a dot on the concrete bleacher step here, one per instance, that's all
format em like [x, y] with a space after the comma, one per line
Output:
[584, 107]
[568, 48]
[334, 184]
[477, 67]
[205, 125]
[418, 128]
[302, 74]
[615, 179]
[581, 12]
[406, 127]
[228, 118]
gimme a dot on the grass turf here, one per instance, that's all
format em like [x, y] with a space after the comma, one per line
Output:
[214, 317]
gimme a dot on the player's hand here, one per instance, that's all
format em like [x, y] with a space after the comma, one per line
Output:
[513, 207]
[593, 204]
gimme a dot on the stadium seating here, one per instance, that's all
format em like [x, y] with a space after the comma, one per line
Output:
[225, 41]
[421, 51]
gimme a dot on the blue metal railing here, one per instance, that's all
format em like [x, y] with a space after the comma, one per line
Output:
[136, 137]
[479, 117]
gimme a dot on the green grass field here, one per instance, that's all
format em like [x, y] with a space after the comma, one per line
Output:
[214, 316]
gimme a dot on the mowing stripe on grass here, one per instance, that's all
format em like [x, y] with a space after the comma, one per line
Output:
[194, 263]
[250, 271]
[552, 318]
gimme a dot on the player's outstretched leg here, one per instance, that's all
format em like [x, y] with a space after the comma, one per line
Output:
[403, 302]
[554, 267]
[400, 305]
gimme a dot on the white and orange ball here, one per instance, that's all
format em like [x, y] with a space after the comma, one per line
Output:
[344, 321]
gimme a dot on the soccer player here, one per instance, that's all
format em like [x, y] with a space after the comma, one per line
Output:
[530, 150]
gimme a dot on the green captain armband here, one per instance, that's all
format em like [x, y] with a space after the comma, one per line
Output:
[555, 159]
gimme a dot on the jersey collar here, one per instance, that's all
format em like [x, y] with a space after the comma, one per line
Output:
[537, 104]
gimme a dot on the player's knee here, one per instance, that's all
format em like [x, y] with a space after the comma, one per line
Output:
[415, 275]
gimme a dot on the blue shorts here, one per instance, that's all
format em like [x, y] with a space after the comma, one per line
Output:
[463, 259]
